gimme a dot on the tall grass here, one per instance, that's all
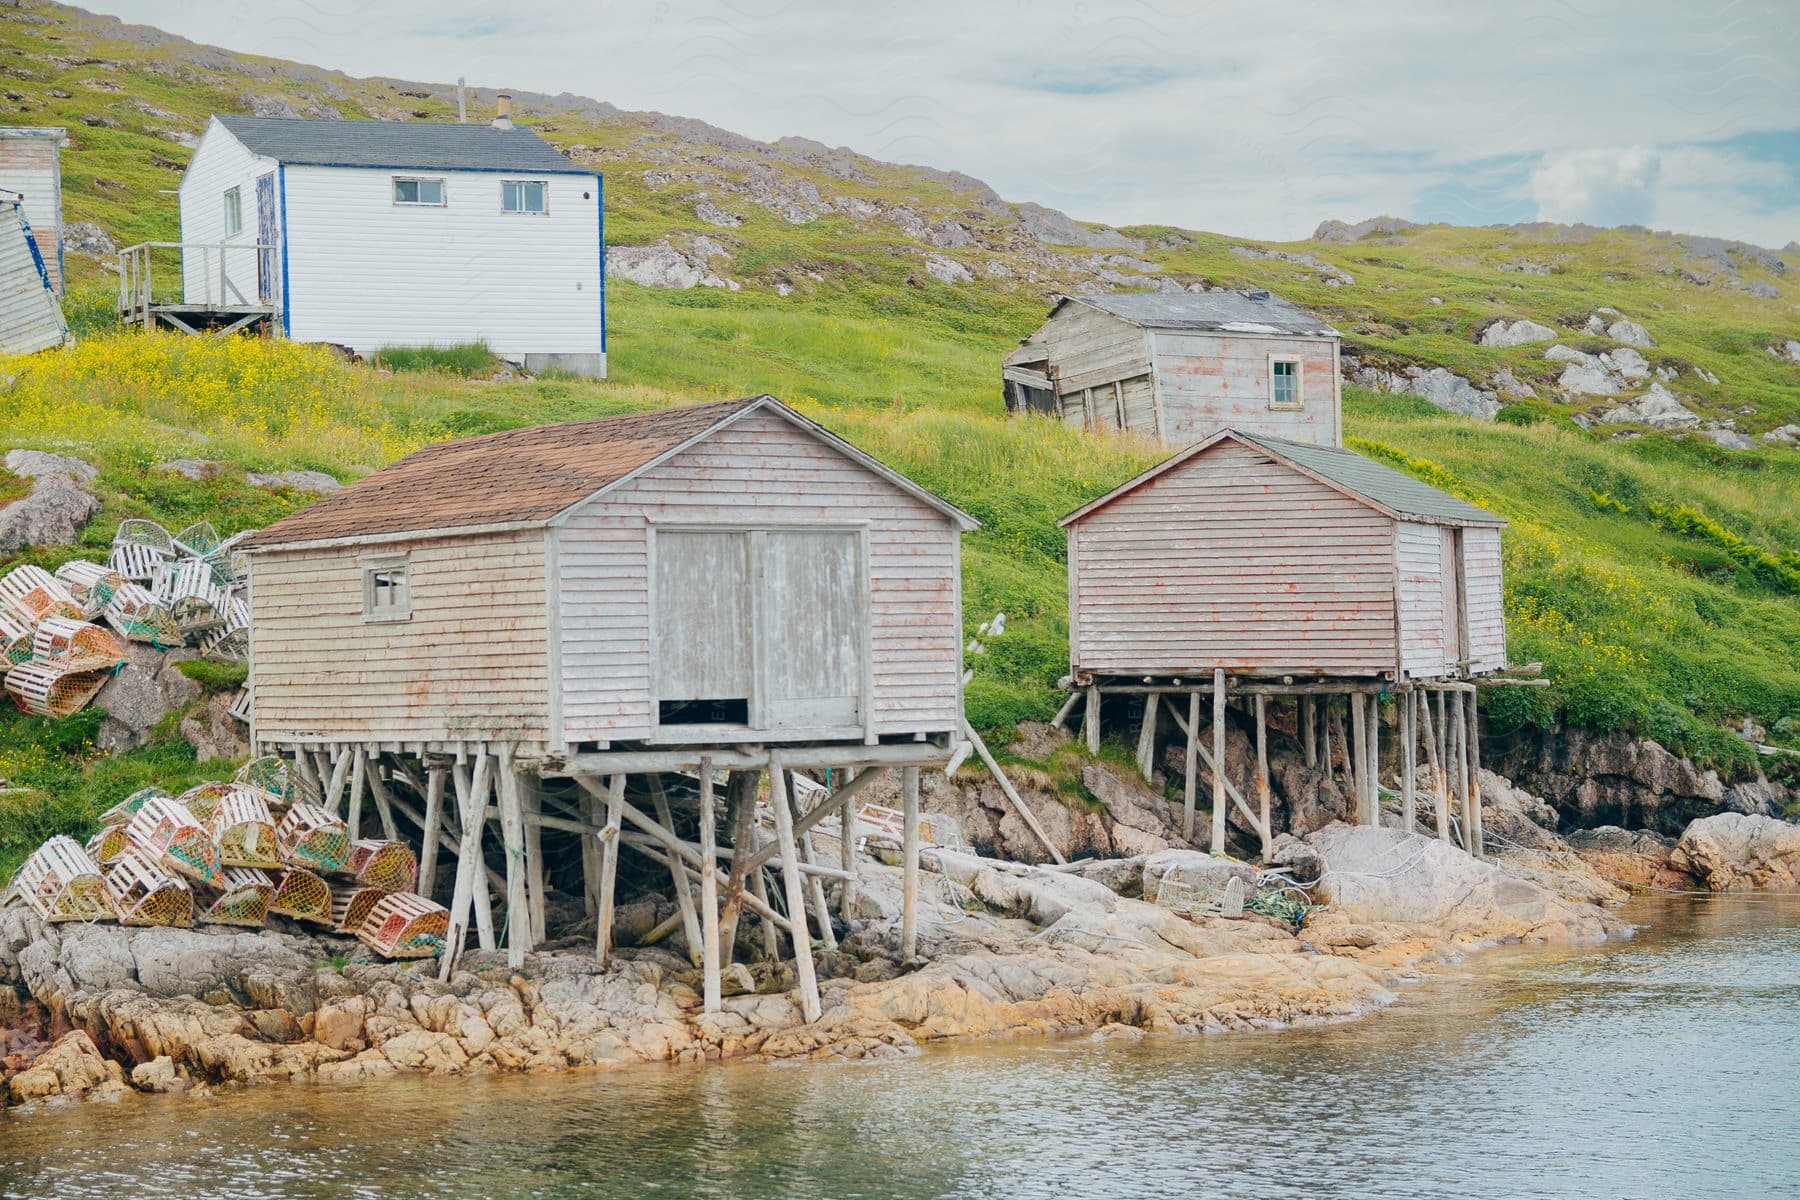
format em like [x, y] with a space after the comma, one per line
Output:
[471, 360]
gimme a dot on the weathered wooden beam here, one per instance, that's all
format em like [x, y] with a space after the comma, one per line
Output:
[1090, 720]
[431, 825]
[810, 1006]
[638, 762]
[1409, 754]
[1309, 744]
[531, 804]
[1439, 784]
[909, 859]
[512, 837]
[378, 790]
[358, 770]
[1359, 741]
[1062, 714]
[815, 886]
[1262, 773]
[1373, 776]
[1146, 746]
[839, 798]
[1206, 760]
[1011, 793]
[684, 899]
[1475, 779]
[609, 865]
[847, 849]
[709, 897]
[1218, 758]
[1189, 766]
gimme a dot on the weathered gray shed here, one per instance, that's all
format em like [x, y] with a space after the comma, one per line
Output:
[1269, 557]
[31, 171]
[1179, 367]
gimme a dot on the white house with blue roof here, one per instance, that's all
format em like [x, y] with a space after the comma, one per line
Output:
[370, 234]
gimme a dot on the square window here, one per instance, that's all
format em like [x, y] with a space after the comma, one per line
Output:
[1284, 383]
[522, 195]
[387, 595]
[428, 192]
[234, 212]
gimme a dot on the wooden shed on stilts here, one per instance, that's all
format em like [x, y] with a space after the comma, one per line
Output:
[601, 636]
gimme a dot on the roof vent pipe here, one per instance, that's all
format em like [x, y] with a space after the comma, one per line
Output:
[503, 111]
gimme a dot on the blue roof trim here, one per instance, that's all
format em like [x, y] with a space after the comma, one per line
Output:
[287, 304]
[600, 195]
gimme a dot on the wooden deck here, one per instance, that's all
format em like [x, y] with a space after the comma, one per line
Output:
[199, 318]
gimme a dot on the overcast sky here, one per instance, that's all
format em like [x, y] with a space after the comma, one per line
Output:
[1256, 118]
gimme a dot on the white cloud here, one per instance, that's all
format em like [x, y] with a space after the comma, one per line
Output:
[1607, 186]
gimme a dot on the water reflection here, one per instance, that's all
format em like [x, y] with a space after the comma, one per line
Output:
[1655, 1067]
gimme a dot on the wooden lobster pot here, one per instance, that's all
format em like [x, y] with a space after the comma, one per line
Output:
[391, 866]
[92, 585]
[199, 539]
[203, 799]
[230, 642]
[275, 778]
[145, 894]
[77, 645]
[15, 639]
[127, 808]
[245, 830]
[134, 563]
[303, 896]
[182, 844]
[108, 844]
[137, 617]
[197, 603]
[350, 906]
[61, 883]
[404, 925]
[312, 838]
[33, 593]
[241, 897]
[51, 689]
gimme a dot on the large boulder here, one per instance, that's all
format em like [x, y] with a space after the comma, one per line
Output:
[1632, 858]
[1734, 852]
[57, 506]
[662, 265]
[1516, 333]
[1657, 408]
[71, 1068]
[213, 732]
[148, 688]
[1390, 876]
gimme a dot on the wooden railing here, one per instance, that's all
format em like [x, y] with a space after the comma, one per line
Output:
[207, 283]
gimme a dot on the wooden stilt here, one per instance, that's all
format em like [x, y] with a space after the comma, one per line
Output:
[1068, 706]
[1475, 779]
[609, 867]
[358, 769]
[1218, 758]
[1439, 781]
[1409, 754]
[1443, 736]
[741, 814]
[384, 801]
[1190, 767]
[1335, 732]
[709, 895]
[1090, 719]
[1262, 772]
[1309, 745]
[590, 854]
[847, 848]
[340, 771]
[1459, 778]
[759, 891]
[1373, 774]
[1146, 746]
[468, 861]
[815, 885]
[1359, 758]
[810, 1008]
[512, 837]
[909, 877]
[1010, 792]
[531, 802]
[684, 899]
[428, 841]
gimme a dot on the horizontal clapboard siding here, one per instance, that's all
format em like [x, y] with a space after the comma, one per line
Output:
[1426, 637]
[1233, 560]
[759, 470]
[1211, 381]
[1487, 614]
[471, 662]
[1086, 348]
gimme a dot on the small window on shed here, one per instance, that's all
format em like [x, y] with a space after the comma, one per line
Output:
[522, 195]
[427, 192]
[1284, 382]
[387, 595]
[234, 212]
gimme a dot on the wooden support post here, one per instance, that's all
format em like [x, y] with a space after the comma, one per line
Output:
[909, 858]
[795, 889]
[1373, 775]
[684, 899]
[741, 814]
[1011, 793]
[1309, 744]
[358, 766]
[1146, 747]
[1334, 731]
[1443, 737]
[1409, 754]
[536, 876]
[815, 885]
[340, 769]
[1475, 778]
[1068, 706]
[428, 841]
[1218, 758]
[1190, 767]
[759, 893]
[709, 895]
[309, 776]
[609, 867]
[1359, 759]
[1262, 773]
[1090, 719]
[512, 837]
[1440, 783]
[590, 854]
[1459, 778]
[378, 791]
[847, 847]
[470, 802]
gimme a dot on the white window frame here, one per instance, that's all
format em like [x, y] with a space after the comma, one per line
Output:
[1299, 365]
[397, 609]
[525, 212]
[233, 214]
[443, 192]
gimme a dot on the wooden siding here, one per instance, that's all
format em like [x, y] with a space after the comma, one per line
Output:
[1482, 585]
[1233, 560]
[1086, 348]
[760, 471]
[30, 166]
[1425, 621]
[220, 163]
[471, 662]
[1210, 381]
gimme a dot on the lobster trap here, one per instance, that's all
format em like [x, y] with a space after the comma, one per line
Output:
[391, 866]
[32, 593]
[51, 689]
[244, 829]
[312, 838]
[61, 883]
[77, 645]
[405, 925]
[138, 548]
[240, 897]
[276, 778]
[197, 603]
[202, 800]
[108, 844]
[127, 808]
[137, 617]
[145, 894]
[169, 830]
[16, 634]
[230, 640]
[197, 540]
[1201, 897]
[90, 585]
[350, 906]
[303, 896]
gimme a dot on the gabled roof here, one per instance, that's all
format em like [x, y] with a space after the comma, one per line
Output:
[1222, 312]
[1398, 495]
[397, 145]
[532, 476]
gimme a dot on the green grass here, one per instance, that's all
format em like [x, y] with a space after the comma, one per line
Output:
[471, 360]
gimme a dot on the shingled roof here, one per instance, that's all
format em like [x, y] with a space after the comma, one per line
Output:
[1396, 494]
[522, 477]
[398, 145]
[1222, 312]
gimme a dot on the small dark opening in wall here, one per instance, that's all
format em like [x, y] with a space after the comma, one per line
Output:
[704, 712]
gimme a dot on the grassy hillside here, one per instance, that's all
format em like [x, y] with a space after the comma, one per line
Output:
[1657, 578]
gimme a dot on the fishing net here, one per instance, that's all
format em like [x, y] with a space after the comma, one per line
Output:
[243, 900]
[312, 838]
[404, 925]
[350, 906]
[302, 895]
[391, 866]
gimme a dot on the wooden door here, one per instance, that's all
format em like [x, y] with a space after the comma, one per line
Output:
[812, 621]
[701, 618]
[265, 235]
[1450, 572]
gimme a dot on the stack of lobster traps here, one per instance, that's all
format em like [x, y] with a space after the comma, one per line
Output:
[53, 656]
[233, 853]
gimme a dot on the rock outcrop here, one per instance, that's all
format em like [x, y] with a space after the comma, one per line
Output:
[1734, 852]
[1516, 333]
[57, 506]
[145, 690]
[1442, 387]
[1342, 233]
[662, 265]
[1657, 408]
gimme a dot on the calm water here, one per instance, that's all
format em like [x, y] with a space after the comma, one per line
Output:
[1663, 1066]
